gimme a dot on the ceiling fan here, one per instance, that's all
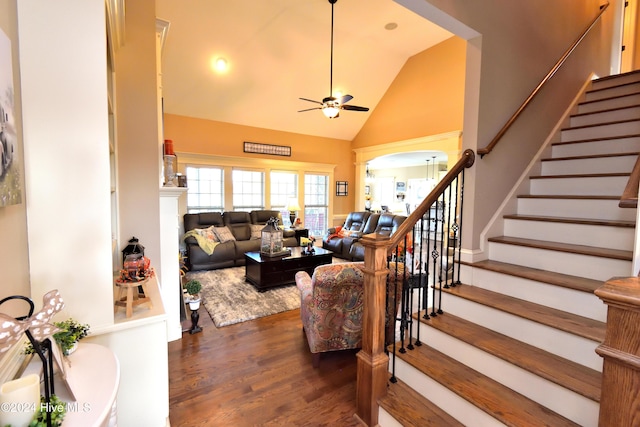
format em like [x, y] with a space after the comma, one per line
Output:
[330, 105]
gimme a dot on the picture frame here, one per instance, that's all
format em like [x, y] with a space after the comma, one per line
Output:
[342, 188]
[273, 150]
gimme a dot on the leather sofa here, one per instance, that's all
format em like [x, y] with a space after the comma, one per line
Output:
[345, 242]
[228, 253]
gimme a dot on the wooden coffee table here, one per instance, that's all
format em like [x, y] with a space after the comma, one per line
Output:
[267, 272]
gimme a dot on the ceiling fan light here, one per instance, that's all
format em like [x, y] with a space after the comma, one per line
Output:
[330, 112]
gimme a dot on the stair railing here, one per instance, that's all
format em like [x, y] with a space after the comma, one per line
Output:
[401, 268]
[486, 150]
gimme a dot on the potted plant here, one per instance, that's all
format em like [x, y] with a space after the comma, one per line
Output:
[56, 407]
[193, 288]
[71, 332]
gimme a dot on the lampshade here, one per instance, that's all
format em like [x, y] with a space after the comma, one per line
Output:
[330, 112]
[293, 205]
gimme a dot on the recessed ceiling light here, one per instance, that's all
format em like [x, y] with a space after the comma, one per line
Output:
[220, 65]
[391, 26]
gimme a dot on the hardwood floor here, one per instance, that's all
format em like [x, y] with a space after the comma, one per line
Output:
[258, 373]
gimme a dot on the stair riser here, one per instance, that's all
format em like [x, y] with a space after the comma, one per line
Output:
[590, 267]
[612, 91]
[565, 402]
[563, 344]
[606, 116]
[579, 186]
[577, 234]
[572, 208]
[459, 408]
[617, 81]
[611, 146]
[602, 131]
[581, 303]
[606, 104]
[386, 420]
[609, 164]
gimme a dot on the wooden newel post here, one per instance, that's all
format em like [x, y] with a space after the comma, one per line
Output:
[620, 400]
[373, 362]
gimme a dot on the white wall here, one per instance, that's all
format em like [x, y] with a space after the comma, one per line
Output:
[511, 47]
[65, 129]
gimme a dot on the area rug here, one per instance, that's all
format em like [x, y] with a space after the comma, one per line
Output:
[229, 299]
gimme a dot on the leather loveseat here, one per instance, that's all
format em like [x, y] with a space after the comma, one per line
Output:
[233, 233]
[344, 241]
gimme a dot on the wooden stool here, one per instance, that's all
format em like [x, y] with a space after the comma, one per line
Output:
[129, 296]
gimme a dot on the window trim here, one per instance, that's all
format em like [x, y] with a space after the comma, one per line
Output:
[266, 165]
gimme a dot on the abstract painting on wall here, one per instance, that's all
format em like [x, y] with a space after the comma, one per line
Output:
[10, 182]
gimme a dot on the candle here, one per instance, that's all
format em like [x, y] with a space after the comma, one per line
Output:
[19, 400]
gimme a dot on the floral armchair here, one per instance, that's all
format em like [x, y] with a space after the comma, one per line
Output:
[331, 306]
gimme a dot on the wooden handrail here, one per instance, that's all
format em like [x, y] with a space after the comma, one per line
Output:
[525, 104]
[629, 197]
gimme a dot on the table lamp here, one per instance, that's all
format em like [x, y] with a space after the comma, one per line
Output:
[293, 206]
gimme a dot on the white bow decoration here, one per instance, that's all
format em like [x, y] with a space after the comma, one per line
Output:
[38, 325]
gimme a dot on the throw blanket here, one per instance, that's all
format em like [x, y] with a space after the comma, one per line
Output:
[205, 244]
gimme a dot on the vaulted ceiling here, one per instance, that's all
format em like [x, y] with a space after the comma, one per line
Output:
[279, 51]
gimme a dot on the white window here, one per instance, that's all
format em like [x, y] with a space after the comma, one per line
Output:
[284, 186]
[205, 193]
[248, 190]
[316, 203]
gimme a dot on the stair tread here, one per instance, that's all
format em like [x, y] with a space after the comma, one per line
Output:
[591, 156]
[410, 408]
[557, 319]
[552, 278]
[567, 196]
[582, 175]
[607, 110]
[571, 375]
[504, 404]
[565, 247]
[567, 220]
[591, 125]
[598, 139]
[615, 76]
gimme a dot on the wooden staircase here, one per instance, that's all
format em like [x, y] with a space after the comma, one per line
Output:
[516, 343]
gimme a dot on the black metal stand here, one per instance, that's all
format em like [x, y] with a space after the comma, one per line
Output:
[195, 316]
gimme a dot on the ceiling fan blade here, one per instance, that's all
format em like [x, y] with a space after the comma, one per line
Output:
[309, 109]
[311, 100]
[344, 99]
[354, 108]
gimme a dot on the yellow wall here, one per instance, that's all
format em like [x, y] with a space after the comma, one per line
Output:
[407, 110]
[426, 98]
[192, 135]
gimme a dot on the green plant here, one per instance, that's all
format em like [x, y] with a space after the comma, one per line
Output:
[193, 287]
[72, 332]
[55, 406]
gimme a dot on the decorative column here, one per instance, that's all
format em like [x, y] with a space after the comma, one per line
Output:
[169, 279]
[620, 401]
[373, 363]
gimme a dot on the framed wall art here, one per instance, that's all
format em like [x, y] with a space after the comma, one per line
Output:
[10, 180]
[341, 188]
[273, 150]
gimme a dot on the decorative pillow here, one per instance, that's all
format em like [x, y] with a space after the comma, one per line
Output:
[224, 234]
[256, 231]
[207, 233]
